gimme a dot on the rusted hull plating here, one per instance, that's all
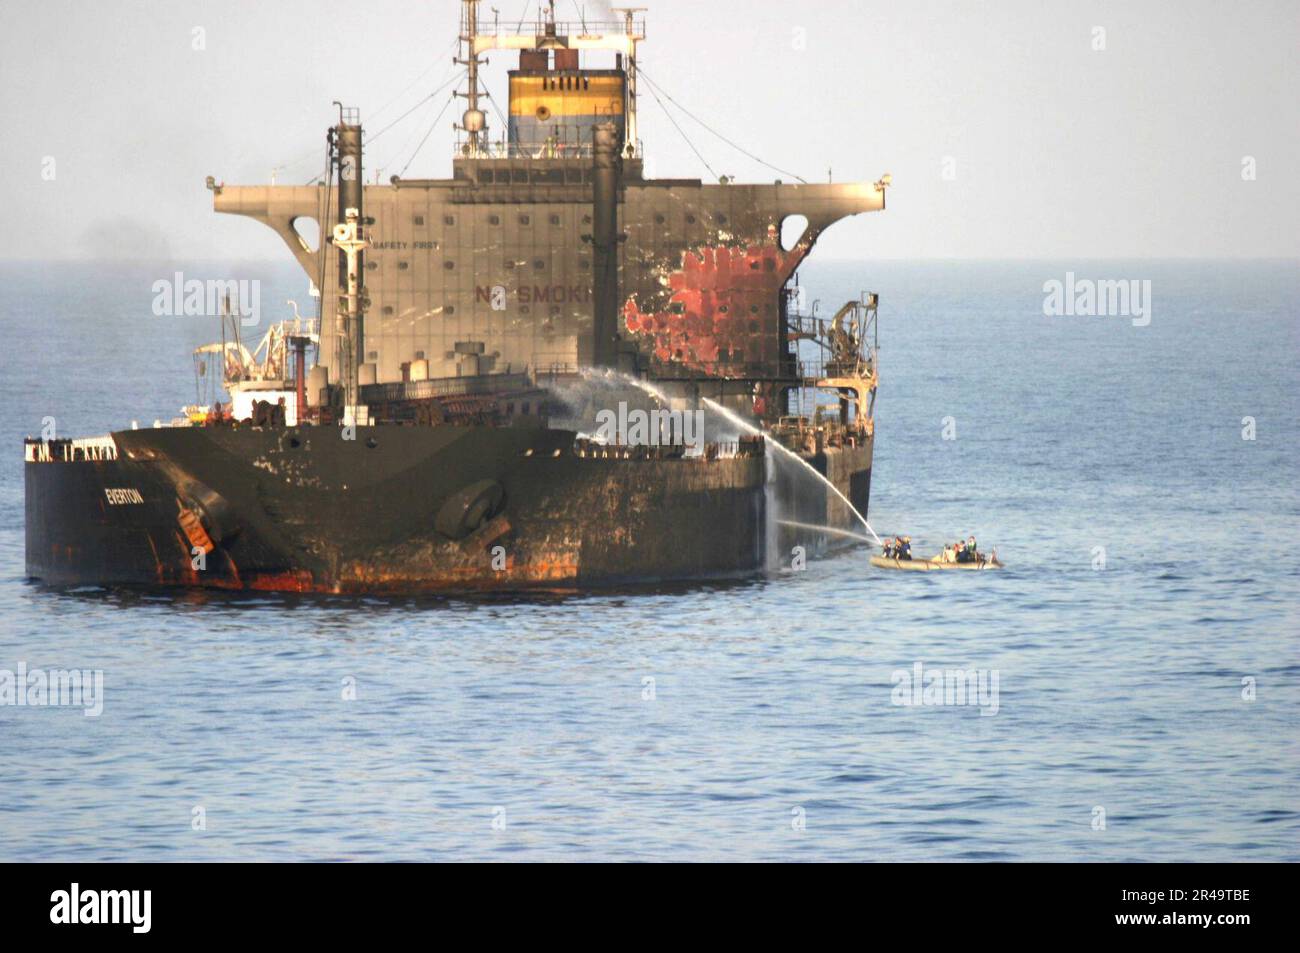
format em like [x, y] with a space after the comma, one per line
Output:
[410, 509]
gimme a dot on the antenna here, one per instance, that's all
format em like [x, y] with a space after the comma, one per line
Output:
[631, 132]
[474, 121]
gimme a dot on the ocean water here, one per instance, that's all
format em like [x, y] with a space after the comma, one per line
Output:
[1143, 637]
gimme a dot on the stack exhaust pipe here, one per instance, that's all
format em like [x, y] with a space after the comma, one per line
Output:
[607, 167]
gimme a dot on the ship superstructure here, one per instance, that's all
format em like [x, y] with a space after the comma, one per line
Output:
[499, 268]
[453, 314]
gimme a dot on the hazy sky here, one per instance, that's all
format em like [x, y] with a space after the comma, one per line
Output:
[1052, 148]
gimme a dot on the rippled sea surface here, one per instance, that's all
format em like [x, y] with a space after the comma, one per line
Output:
[1144, 634]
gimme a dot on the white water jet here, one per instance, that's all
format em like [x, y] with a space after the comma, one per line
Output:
[750, 428]
[771, 505]
[746, 425]
[825, 529]
[636, 382]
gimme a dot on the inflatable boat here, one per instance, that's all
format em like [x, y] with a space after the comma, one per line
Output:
[925, 565]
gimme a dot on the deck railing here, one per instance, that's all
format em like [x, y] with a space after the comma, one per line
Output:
[70, 451]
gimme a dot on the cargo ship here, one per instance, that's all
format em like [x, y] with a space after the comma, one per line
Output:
[438, 425]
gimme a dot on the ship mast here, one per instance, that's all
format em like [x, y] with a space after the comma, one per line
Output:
[631, 134]
[349, 239]
[474, 121]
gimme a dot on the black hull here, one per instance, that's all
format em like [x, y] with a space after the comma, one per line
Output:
[408, 509]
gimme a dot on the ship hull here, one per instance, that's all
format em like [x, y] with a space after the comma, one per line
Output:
[411, 509]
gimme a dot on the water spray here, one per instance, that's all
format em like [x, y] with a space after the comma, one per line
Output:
[825, 529]
[750, 428]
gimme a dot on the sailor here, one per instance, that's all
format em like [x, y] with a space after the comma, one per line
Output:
[961, 554]
[888, 549]
[905, 548]
[971, 547]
